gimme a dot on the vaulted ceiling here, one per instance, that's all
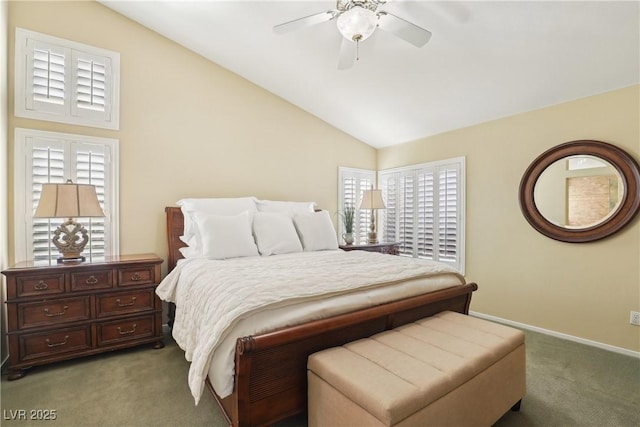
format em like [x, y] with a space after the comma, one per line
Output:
[485, 60]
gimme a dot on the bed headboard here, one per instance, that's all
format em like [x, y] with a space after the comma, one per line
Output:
[175, 227]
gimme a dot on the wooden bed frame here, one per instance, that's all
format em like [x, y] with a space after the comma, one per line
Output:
[271, 369]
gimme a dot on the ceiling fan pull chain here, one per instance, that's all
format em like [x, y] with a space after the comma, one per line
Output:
[357, 39]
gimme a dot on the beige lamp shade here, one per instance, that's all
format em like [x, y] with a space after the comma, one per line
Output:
[68, 201]
[372, 199]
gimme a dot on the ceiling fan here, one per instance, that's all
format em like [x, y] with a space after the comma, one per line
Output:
[357, 20]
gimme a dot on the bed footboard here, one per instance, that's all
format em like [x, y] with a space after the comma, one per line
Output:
[271, 369]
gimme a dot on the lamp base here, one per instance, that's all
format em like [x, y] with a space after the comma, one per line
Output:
[70, 238]
[78, 259]
[372, 238]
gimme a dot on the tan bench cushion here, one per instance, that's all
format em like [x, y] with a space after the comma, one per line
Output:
[398, 372]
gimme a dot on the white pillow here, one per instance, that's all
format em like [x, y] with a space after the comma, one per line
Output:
[217, 206]
[275, 233]
[189, 252]
[316, 231]
[225, 236]
[288, 208]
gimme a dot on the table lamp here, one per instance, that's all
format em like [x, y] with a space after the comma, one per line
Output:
[69, 200]
[372, 199]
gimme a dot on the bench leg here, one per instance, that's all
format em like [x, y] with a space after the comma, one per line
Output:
[516, 407]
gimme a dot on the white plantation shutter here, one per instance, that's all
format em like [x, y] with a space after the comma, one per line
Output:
[407, 199]
[425, 210]
[48, 157]
[91, 160]
[46, 77]
[65, 81]
[426, 215]
[351, 185]
[48, 160]
[448, 181]
[92, 75]
[388, 217]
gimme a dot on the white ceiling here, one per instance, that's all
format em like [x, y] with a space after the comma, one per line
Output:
[485, 60]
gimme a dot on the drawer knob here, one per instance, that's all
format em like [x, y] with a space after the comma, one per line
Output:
[91, 280]
[121, 332]
[57, 344]
[135, 277]
[61, 313]
[133, 301]
[41, 286]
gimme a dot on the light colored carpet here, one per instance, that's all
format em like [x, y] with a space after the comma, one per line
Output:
[568, 384]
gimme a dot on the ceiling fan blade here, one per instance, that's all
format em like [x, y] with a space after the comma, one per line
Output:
[307, 21]
[407, 31]
[347, 54]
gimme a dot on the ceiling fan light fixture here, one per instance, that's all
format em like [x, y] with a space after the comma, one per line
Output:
[357, 23]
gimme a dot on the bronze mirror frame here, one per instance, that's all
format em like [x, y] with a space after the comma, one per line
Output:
[626, 166]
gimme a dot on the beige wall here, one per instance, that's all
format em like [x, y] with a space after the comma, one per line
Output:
[189, 128]
[585, 290]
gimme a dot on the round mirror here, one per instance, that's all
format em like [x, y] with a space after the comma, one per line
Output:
[581, 191]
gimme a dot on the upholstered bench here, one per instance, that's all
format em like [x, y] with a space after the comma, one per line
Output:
[449, 369]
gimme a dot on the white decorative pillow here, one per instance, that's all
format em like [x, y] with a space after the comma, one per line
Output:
[217, 206]
[275, 233]
[288, 208]
[189, 252]
[316, 231]
[225, 236]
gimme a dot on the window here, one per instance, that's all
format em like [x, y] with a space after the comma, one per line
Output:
[425, 210]
[49, 157]
[351, 184]
[64, 81]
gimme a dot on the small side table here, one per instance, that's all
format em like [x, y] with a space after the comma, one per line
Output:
[391, 248]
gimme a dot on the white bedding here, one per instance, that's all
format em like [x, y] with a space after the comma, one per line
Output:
[218, 301]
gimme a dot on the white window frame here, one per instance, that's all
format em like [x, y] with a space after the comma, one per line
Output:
[23, 204]
[68, 111]
[361, 218]
[460, 164]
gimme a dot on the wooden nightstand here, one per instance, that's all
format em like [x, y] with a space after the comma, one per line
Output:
[391, 248]
[62, 311]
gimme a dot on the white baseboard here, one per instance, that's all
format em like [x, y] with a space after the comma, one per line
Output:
[591, 343]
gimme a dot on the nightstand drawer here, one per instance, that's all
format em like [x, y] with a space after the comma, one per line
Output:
[124, 303]
[137, 276]
[92, 280]
[53, 312]
[110, 333]
[40, 285]
[44, 344]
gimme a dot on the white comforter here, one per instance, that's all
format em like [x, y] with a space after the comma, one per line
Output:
[212, 297]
